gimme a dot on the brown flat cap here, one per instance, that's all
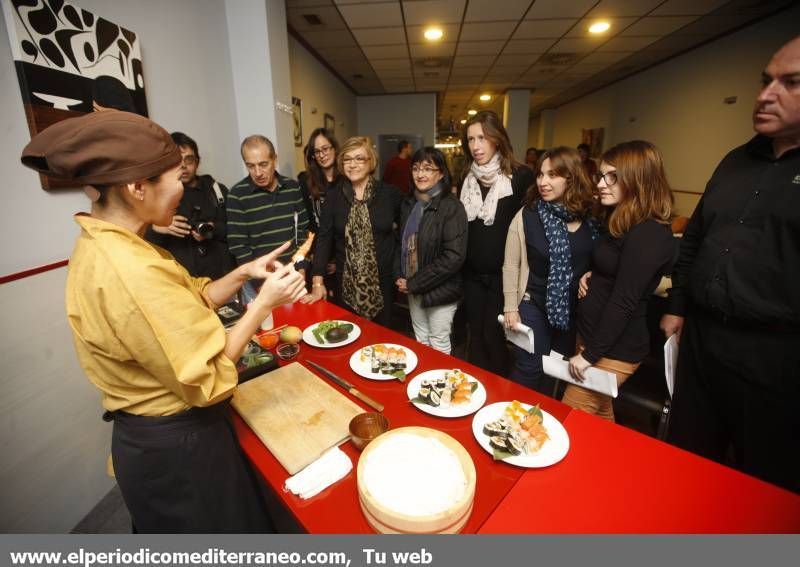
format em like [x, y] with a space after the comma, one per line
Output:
[102, 148]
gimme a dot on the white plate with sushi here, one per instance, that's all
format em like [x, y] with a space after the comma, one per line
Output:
[520, 434]
[331, 333]
[384, 361]
[446, 393]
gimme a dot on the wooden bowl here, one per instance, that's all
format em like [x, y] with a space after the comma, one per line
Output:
[387, 521]
[367, 426]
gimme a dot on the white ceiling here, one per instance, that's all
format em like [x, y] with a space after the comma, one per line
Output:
[490, 46]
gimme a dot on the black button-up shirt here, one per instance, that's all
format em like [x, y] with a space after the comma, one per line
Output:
[740, 254]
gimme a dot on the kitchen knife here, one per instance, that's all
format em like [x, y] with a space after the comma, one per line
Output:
[348, 386]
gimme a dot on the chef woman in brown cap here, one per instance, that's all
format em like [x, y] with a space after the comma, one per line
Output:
[146, 332]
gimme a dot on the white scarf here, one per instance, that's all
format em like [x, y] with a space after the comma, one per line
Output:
[488, 175]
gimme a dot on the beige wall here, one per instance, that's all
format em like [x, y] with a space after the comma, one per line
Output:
[54, 444]
[679, 106]
[319, 89]
[398, 114]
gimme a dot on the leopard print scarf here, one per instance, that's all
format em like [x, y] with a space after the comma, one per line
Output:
[361, 288]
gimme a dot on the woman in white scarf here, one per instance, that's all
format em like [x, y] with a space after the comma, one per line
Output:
[492, 191]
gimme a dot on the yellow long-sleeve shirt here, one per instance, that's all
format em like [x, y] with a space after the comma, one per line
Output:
[145, 331]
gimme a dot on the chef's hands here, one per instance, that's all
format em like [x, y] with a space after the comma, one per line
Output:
[281, 286]
[263, 266]
[179, 227]
[672, 325]
[511, 319]
[583, 285]
[577, 366]
[402, 285]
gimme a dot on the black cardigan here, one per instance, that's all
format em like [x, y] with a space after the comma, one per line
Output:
[384, 214]
[442, 239]
[625, 272]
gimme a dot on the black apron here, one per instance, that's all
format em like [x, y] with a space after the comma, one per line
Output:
[186, 473]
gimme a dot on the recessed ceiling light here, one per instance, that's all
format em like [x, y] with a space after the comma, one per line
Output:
[472, 112]
[464, 121]
[486, 97]
[599, 27]
[433, 34]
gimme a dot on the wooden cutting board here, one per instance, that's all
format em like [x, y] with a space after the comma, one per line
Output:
[296, 414]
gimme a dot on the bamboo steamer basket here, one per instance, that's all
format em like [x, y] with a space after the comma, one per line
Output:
[387, 521]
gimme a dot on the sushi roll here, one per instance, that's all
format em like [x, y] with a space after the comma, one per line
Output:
[424, 393]
[498, 442]
[495, 428]
[514, 445]
[434, 399]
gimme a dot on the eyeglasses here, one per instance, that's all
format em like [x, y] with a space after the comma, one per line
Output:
[610, 178]
[360, 160]
[424, 170]
[189, 160]
[319, 152]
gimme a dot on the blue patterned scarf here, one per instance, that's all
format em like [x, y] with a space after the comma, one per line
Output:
[554, 217]
[409, 262]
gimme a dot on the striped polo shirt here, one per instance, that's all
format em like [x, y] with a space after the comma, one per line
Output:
[259, 220]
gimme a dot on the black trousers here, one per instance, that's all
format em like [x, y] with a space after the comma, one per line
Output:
[738, 386]
[187, 474]
[483, 302]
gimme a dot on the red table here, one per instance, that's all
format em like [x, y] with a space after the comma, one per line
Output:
[613, 480]
[336, 509]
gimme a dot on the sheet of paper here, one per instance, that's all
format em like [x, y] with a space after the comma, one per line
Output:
[670, 361]
[596, 379]
[521, 335]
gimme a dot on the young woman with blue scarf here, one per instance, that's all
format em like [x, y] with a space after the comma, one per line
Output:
[549, 244]
[433, 225]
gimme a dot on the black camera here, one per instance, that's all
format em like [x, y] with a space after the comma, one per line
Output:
[201, 226]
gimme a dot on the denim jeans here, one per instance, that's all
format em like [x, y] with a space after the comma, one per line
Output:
[432, 325]
[528, 367]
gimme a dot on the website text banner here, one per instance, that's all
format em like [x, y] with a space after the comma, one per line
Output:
[395, 551]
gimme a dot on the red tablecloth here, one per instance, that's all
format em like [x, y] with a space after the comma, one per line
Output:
[336, 510]
[614, 480]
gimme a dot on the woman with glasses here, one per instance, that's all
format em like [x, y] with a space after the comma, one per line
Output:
[357, 227]
[320, 175]
[548, 249]
[433, 228]
[627, 265]
[492, 192]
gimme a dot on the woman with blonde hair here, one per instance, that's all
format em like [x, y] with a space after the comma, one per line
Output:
[492, 191]
[357, 226]
[548, 249]
[627, 265]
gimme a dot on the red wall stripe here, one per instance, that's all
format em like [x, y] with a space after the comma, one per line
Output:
[32, 271]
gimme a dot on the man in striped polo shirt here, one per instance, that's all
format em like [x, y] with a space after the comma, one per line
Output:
[265, 209]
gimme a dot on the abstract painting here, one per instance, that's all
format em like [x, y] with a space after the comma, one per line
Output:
[59, 50]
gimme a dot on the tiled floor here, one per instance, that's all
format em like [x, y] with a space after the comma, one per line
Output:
[110, 516]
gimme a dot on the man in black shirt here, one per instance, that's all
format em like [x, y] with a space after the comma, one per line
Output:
[735, 301]
[197, 235]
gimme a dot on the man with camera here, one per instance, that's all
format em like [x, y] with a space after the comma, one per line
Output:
[197, 235]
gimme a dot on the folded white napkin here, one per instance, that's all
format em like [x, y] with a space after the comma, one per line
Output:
[521, 335]
[332, 466]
